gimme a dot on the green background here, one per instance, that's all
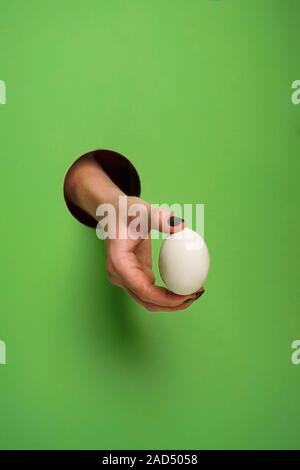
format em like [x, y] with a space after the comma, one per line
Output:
[197, 94]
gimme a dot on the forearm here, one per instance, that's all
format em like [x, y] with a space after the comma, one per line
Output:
[88, 186]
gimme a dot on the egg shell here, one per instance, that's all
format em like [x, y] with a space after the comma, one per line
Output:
[184, 262]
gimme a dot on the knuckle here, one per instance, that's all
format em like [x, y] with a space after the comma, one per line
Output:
[141, 289]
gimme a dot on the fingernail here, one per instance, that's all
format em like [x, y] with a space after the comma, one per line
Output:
[199, 294]
[173, 221]
[188, 300]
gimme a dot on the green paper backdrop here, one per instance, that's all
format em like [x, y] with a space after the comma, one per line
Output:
[197, 94]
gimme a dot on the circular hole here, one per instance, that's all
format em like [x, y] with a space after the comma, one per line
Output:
[120, 170]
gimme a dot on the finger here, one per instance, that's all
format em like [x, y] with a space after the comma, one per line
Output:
[144, 255]
[144, 252]
[147, 305]
[165, 221]
[149, 273]
[134, 278]
[158, 308]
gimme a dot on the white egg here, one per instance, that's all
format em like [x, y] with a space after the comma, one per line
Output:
[184, 262]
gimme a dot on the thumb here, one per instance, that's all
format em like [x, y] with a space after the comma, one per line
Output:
[165, 221]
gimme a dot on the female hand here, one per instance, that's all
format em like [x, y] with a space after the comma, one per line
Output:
[129, 258]
[129, 262]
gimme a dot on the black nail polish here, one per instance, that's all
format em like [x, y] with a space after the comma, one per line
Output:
[199, 294]
[173, 221]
